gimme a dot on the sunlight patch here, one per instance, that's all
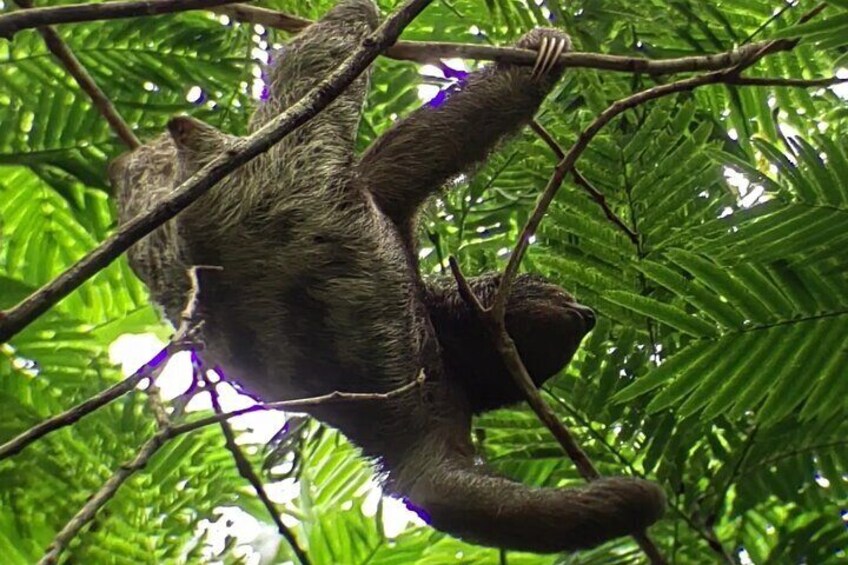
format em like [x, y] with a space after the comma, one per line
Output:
[194, 95]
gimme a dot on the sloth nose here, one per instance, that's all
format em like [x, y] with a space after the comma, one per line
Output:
[586, 314]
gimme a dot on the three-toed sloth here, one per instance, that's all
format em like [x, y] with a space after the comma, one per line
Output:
[318, 286]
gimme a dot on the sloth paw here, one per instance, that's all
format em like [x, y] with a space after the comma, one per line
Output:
[550, 44]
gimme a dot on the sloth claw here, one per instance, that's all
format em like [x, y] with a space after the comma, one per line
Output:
[550, 49]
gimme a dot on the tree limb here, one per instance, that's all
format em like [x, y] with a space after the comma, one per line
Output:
[423, 52]
[566, 165]
[14, 22]
[106, 492]
[263, 16]
[72, 415]
[245, 469]
[101, 497]
[788, 82]
[582, 181]
[496, 327]
[493, 318]
[186, 336]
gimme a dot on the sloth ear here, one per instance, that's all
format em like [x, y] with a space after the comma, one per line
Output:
[196, 137]
[197, 143]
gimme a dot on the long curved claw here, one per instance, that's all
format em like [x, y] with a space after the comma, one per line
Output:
[540, 55]
[549, 51]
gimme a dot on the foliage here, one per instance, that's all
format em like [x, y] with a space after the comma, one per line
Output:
[718, 366]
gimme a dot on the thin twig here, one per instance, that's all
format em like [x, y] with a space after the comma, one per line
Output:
[157, 406]
[815, 11]
[299, 405]
[85, 81]
[263, 16]
[188, 334]
[72, 415]
[583, 182]
[723, 490]
[185, 337]
[101, 497]
[566, 165]
[791, 82]
[242, 151]
[774, 17]
[125, 471]
[601, 200]
[14, 22]
[244, 467]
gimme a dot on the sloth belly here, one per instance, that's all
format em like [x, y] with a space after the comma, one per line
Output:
[325, 311]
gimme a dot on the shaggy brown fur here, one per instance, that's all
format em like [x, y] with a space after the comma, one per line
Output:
[319, 288]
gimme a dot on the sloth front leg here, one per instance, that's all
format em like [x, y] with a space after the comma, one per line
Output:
[456, 494]
[415, 157]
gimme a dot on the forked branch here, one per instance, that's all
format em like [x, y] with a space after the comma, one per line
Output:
[493, 318]
[244, 467]
[87, 513]
[566, 164]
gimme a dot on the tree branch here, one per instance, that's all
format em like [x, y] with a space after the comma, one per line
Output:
[566, 165]
[245, 469]
[87, 513]
[263, 16]
[789, 82]
[85, 81]
[101, 497]
[495, 325]
[72, 415]
[493, 317]
[301, 404]
[423, 52]
[427, 52]
[245, 149]
[185, 337]
[14, 22]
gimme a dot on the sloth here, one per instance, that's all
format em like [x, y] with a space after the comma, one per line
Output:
[317, 286]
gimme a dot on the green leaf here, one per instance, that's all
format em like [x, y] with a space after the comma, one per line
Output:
[669, 315]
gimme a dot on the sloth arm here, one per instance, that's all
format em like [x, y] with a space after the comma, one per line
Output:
[445, 137]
